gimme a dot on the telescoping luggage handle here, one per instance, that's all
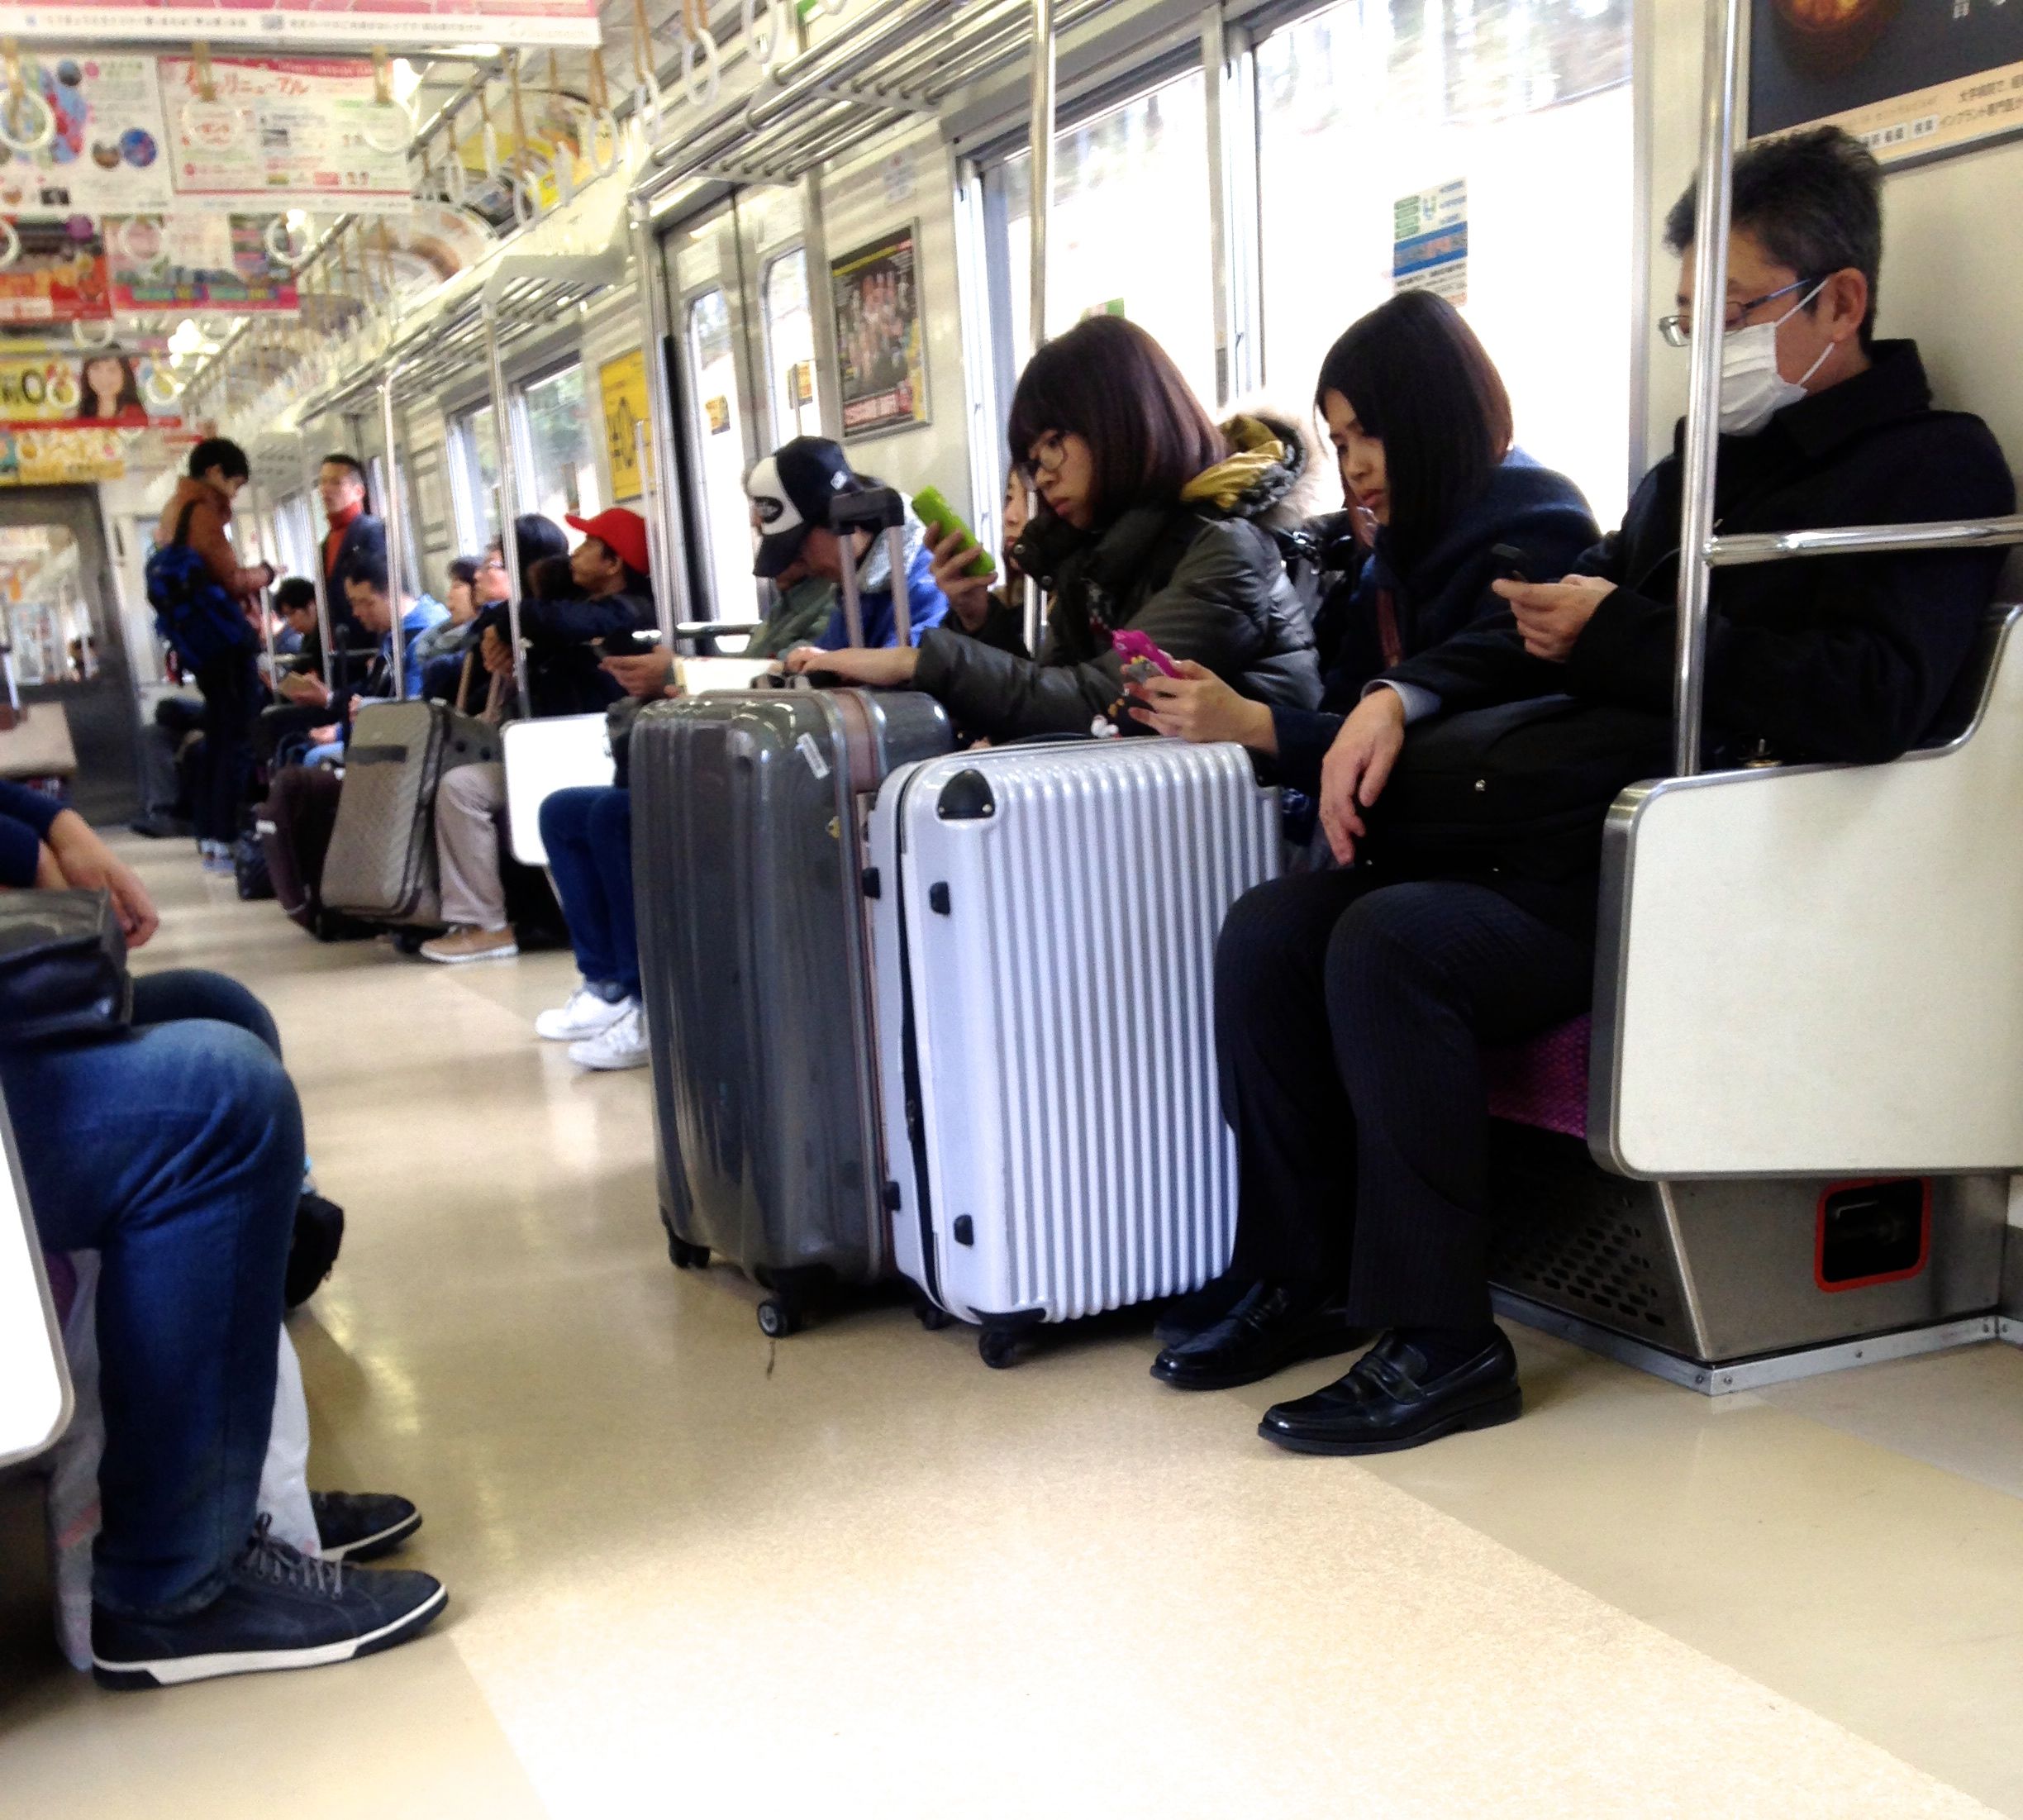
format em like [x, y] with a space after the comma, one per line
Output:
[1701, 552]
[879, 509]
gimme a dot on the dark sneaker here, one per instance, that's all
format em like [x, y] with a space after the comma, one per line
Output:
[357, 1526]
[278, 1610]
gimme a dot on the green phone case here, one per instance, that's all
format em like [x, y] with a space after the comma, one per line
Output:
[940, 517]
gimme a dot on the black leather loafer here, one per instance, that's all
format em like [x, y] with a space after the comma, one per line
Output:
[1272, 1326]
[1188, 1315]
[1388, 1401]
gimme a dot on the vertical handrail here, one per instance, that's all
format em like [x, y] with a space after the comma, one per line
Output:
[1721, 80]
[1040, 213]
[1214, 57]
[656, 552]
[654, 335]
[395, 541]
[269, 528]
[310, 471]
[509, 498]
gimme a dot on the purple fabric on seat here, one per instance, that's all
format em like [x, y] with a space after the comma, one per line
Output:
[1544, 1082]
[63, 1282]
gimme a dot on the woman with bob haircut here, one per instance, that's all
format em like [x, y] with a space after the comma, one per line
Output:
[1422, 423]
[1421, 427]
[1150, 517]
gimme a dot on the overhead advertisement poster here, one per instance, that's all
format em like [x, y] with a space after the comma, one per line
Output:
[876, 292]
[622, 383]
[91, 389]
[1912, 80]
[313, 21]
[58, 458]
[105, 150]
[192, 261]
[286, 132]
[57, 276]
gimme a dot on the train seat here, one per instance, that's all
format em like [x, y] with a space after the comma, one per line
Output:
[1543, 1084]
[1801, 1110]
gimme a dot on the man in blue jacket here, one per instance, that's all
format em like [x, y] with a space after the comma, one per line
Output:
[790, 491]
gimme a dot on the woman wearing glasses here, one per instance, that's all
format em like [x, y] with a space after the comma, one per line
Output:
[1151, 518]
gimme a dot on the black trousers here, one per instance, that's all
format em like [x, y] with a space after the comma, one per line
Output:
[231, 688]
[1350, 1021]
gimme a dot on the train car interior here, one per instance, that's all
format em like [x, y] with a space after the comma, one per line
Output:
[1062, 920]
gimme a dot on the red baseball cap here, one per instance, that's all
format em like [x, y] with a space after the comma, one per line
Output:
[619, 530]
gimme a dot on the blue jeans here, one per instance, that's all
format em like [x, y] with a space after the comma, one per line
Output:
[588, 835]
[176, 1153]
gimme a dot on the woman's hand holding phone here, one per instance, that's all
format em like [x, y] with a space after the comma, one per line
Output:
[1197, 705]
[969, 596]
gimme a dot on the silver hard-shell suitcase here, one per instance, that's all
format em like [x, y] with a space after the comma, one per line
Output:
[1044, 933]
[747, 862]
[381, 860]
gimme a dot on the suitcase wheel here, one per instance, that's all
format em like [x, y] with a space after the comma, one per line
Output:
[685, 1256]
[997, 1347]
[933, 1319]
[776, 1320]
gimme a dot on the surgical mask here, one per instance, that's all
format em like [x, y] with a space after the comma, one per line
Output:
[1752, 389]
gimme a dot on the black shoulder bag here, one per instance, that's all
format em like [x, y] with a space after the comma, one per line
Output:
[63, 967]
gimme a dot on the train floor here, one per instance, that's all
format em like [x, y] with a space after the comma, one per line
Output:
[695, 1572]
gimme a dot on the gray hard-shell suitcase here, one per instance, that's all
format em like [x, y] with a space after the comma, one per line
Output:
[754, 950]
[381, 860]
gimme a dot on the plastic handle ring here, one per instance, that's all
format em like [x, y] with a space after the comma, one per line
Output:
[141, 260]
[649, 105]
[489, 140]
[765, 50]
[282, 251]
[9, 244]
[32, 139]
[456, 187]
[832, 7]
[562, 167]
[603, 126]
[525, 201]
[381, 114]
[93, 339]
[705, 43]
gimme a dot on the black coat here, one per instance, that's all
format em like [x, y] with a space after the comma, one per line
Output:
[1844, 658]
[562, 660]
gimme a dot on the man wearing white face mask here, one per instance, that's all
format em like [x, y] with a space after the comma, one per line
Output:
[1351, 1006]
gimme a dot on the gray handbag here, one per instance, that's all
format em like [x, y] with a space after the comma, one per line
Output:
[63, 967]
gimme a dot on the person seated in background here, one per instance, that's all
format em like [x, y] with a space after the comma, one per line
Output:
[369, 591]
[588, 836]
[292, 628]
[604, 593]
[455, 634]
[1150, 519]
[790, 492]
[1422, 428]
[196, 515]
[176, 1153]
[1352, 1006]
[609, 595]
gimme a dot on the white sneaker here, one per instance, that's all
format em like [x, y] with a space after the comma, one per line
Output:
[586, 1014]
[623, 1046]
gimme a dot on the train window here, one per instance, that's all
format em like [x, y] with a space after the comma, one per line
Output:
[790, 348]
[562, 448]
[1130, 231]
[712, 374]
[1528, 102]
[473, 477]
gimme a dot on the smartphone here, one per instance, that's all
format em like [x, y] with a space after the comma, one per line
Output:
[1512, 563]
[1141, 657]
[940, 517]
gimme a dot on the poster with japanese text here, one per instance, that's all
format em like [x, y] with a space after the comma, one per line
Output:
[876, 293]
[57, 276]
[88, 389]
[286, 133]
[195, 260]
[54, 458]
[1913, 80]
[314, 22]
[622, 383]
[106, 150]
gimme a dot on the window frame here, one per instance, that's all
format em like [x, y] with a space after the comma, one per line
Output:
[769, 263]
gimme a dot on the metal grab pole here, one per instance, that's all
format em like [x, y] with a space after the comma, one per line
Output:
[316, 575]
[509, 501]
[1040, 213]
[656, 555]
[264, 521]
[396, 543]
[663, 501]
[1722, 78]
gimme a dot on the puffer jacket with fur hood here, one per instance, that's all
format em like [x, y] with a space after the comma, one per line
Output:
[1204, 578]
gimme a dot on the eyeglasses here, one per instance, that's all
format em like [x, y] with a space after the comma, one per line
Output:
[491, 563]
[1678, 330]
[1046, 455]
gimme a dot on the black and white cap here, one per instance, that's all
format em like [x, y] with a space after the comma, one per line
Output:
[790, 491]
